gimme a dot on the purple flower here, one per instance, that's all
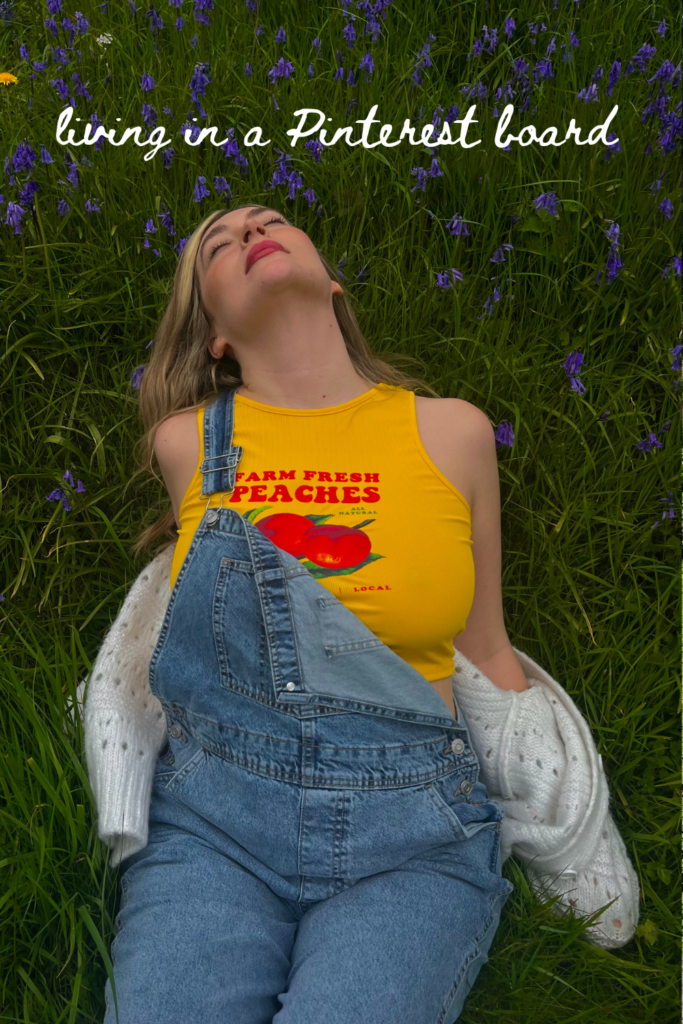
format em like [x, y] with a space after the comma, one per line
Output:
[69, 478]
[648, 443]
[316, 149]
[200, 190]
[675, 354]
[421, 175]
[80, 487]
[547, 201]
[666, 208]
[573, 362]
[283, 69]
[220, 186]
[24, 157]
[367, 65]
[349, 33]
[281, 36]
[156, 22]
[147, 83]
[14, 215]
[137, 377]
[676, 261]
[59, 495]
[92, 207]
[505, 434]
[457, 226]
[2, 598]
[499, 255]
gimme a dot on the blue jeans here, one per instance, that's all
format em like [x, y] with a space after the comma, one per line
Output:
[320, 848]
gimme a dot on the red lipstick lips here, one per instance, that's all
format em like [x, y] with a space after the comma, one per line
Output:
[260, 249]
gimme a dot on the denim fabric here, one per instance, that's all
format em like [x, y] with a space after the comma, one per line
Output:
[313, 855]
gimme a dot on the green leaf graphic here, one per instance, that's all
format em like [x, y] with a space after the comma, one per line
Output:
[254, 512]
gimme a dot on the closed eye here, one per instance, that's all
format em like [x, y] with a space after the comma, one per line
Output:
[273, 220]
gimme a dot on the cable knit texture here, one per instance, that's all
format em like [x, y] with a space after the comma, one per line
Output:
[124, 724]
[539, 759]
[536, 751]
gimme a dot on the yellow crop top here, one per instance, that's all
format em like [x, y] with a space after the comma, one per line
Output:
[390, 535]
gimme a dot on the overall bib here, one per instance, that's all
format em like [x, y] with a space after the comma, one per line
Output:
[320, 848]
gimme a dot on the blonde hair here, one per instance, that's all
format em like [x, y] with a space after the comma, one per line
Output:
[182, 375]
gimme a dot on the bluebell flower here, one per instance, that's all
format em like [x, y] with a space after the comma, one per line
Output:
[648, 443]
[200, 190]
[547, 201]
[457, 226]
[505, 434]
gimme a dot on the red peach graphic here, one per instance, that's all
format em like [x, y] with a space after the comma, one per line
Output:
[287, 530]
[336, 546]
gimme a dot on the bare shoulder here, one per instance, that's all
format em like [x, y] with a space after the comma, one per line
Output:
[177, 436]
[176, 446]
[453, 412]
[458, 437]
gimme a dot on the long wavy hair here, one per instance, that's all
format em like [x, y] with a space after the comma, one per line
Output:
[182, 375]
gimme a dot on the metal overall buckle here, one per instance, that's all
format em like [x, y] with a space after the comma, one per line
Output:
[212, 517]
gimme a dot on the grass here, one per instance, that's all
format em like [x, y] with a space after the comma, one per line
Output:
[591, 590]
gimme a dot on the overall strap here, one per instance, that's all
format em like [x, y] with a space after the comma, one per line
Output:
[220, 458]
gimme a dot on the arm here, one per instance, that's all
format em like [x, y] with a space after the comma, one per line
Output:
[176, 446]
[123, 723]
[485, 641]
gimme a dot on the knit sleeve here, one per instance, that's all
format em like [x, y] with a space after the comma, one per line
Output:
[124, 725]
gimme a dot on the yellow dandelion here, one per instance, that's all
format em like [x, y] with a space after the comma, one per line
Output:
[8, 79]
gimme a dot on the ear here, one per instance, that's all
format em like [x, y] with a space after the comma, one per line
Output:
[336, 288]
[218, 347]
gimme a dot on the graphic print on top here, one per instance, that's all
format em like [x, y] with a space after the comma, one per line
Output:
[350, 491]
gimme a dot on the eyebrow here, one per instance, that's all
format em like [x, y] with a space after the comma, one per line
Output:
[221, 227]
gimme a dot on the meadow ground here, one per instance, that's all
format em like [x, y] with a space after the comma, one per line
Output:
[541, 284]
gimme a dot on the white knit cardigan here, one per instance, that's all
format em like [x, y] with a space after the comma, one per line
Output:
[536, 752]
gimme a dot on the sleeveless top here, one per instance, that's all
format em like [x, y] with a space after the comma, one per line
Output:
[351, 491]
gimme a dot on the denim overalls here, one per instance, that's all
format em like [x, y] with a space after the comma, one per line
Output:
[320, 848]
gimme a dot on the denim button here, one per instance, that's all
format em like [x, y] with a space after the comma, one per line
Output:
[466, 787]
[457, 746]
[291, 686]
[176, 731]
[211, 518]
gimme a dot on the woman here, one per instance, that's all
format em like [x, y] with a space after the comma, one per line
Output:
[320, 847]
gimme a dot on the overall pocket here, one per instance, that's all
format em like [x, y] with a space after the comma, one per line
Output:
[342, 632]
[238, 629]
[179, 758]
[463, 804]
